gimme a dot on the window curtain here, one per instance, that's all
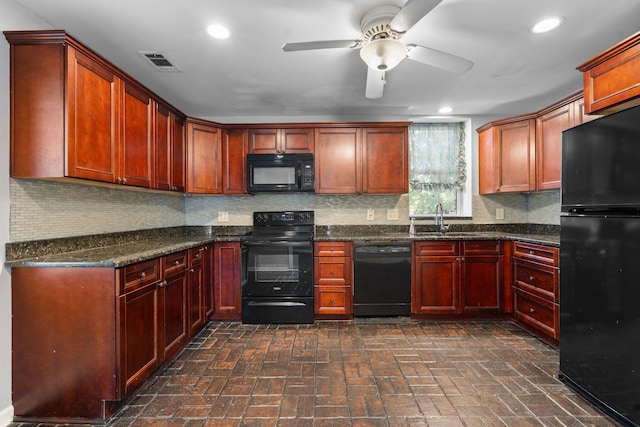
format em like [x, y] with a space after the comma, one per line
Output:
[437, 156]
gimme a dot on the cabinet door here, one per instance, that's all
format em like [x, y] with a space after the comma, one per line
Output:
[487, 162]
[481, 284]
[136, 143]
[93, 121]
[436, 287]
[195, 284]
[173, 305]
[263, 141]
[227, 281]
[385, 162]
[178, 154]
[139, 356]
[549, 129]
[162, 148]
[235, 147]
[337, 164]
[517, 156]
[204, 164]
[296, 140]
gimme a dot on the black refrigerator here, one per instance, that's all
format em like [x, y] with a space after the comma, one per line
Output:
[600, 263]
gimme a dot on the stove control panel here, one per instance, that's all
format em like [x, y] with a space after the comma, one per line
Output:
[283, 218]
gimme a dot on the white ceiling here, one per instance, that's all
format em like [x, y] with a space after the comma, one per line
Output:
[248, 78]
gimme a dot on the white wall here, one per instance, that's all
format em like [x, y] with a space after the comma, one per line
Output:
[12, 17]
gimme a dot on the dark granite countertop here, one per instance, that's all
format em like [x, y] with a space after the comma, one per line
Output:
[115, 249]
[532, 233]
[122, 249]
[543, 239]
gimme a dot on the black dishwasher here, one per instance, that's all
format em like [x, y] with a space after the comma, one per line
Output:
[382, 279]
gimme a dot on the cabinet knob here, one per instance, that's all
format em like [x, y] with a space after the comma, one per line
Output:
[118, 180]
[530, 252]
[177, 262]
[531, 278]
[331, 250]
[162, 284]
[143, 274]
[124, 180]
[532, 311]
[191, 270]
[197, 255]
[331, 272]
[331, 301]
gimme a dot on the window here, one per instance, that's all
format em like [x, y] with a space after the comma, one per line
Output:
[439, 169]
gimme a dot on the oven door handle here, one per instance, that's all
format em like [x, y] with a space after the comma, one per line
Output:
[276, 304]
[276, 243]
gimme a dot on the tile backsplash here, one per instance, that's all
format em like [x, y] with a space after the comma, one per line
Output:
[51, 209]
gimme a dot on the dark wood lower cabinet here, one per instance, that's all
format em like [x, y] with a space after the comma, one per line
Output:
[86, 338]
[227, 281]
[452, 278]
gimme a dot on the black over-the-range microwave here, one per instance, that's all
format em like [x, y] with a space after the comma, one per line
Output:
[280, 173]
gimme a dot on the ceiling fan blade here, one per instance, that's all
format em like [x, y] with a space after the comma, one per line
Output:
[326, 44]
[439, 59]
[375, 83]
[411, 13]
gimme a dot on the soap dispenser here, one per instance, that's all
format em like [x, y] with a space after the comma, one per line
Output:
[412, 227]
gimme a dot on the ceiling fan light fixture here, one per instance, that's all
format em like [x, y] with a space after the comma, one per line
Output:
[383, 54]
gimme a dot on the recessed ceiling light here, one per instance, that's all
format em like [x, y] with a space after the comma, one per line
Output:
[218, 31]
[546, 25]
[445, 110]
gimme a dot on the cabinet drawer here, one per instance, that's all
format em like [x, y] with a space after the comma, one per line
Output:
[332, 249]
[537, 279]
[331, 271]
[196, 256]
[175, 263]
[333, 300]
[481, 247]
[140, 274]
[538, 253]
[537, 313]
[436, 248]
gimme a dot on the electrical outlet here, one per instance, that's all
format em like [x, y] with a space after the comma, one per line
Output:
[223, 216]
[499, 213]
[392, 214]
[370, 214]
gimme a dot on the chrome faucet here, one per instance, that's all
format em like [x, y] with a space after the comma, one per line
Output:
[440, 219]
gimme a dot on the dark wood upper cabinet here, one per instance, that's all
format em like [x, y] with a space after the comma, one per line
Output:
[204, 157]
[362, 159]
[136, 158]
[270, 140]
[337, 166]
[612, 79]
[235, 147]
[385, 160]
[169, 150]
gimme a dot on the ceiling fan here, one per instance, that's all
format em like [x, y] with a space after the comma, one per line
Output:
[381, 48]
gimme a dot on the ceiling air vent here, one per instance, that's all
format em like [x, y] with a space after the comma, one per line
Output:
[160, 61]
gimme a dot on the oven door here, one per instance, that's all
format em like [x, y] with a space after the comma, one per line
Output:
[278, 269]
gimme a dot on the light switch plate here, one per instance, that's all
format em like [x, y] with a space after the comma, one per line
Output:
[223, 216]
[499, 213]
[392, 214]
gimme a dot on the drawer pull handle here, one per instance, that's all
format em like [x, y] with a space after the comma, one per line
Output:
[143, 274]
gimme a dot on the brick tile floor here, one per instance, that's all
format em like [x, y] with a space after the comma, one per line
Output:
[436, 374]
